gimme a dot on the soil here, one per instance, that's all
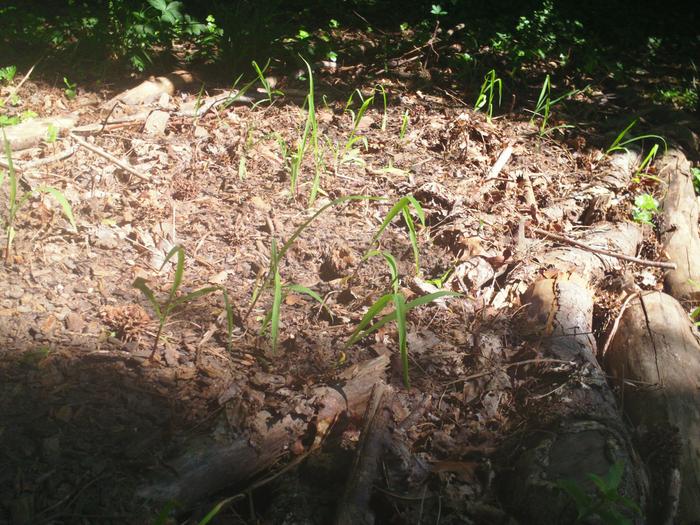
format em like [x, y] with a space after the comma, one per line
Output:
[92, 405]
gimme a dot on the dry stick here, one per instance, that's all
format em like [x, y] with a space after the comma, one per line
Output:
[501, 162]
[102, 153]
[600, 251]
[16, 89]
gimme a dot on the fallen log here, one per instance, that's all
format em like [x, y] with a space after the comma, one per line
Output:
[679, 229]
[654, 357]
[576, 429]
[354, 507]
[207, 466]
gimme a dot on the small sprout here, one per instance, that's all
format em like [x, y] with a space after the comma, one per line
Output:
[164, 310]
[70, 90]
[645, 207]
[487, 93]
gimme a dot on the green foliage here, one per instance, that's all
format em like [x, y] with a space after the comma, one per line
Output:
[405, 119]
[622, 141]
[17, 119]
[273, 278]
[607, 505]
[399, 314]
[683, 98]
[437, 10]
[7, 74]
[403, 206]
[695, 173]
[16, 200]
[270, 92]
[70, 90]
[545, 104]
[310, 134]
[487, 93]
[645, 207]
[165, 309]
[279, 292]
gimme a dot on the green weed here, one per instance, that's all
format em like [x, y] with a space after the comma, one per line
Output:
[645, 207]
[71, 89]
[489, 88]
[607, 503]
[7, 74]
[403, 206]
[695, 173]
[16, 200]
[164, 310]
[400, 313]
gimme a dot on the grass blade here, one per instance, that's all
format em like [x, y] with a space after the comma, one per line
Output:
[65, 205]
[401, 310]
[140, 284]
[360, 332]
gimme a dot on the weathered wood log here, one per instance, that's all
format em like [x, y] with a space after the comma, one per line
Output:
[655, 358]
[31, 132]
[354, 508]
[577, 429]
[207, 466]
[679, 230]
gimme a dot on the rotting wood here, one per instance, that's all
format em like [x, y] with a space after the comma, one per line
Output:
[31, 132]
[679, 230]
[579, 429]
[655, 359]
[354, 508]
[608, 253]
[207, 466]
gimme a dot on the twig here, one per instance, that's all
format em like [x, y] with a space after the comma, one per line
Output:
[102, 153]
[16, 89]
[625, 304]
[600, 251]
[501, 162]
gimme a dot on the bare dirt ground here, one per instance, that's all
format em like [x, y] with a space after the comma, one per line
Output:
[90, 415]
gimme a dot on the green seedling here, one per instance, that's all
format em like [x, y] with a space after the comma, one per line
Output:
[607, 505]
[544, 106]
[400, 313]
[404, 125]
[270, 92]
[622, 141]
[310, 134]
[279, 292]
[384, 115]
[645, 207]
[17, 200]
[403, 206]
[164, 310]
[51, 134]
[695, 173]
[70, 90]
[7, 74]
[273, 280]
[489, 88]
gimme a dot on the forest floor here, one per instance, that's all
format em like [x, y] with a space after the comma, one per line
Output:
[92, 405]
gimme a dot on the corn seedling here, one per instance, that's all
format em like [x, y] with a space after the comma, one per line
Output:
[544, 106]
[310, 134]
[645, 207]
[622, 141]
[401, 309]
[606, 505]
[17, 200]
[273, 280]
[164, 310]
[404, 125]
[279, 292]
[489, 88]
[403, 206]
[384, 115]
[270, 92]
[7, 74]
